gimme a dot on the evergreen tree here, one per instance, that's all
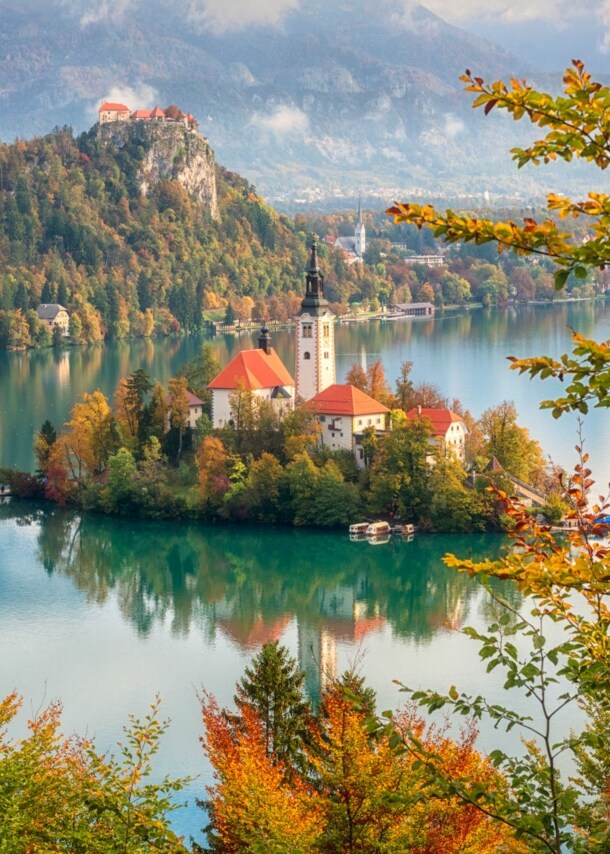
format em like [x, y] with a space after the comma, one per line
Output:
[273, 687]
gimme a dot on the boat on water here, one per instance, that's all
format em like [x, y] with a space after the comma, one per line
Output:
[358, 528]
[379, 532]
[378, 529]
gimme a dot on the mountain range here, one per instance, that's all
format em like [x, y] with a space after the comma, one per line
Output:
[328, 101]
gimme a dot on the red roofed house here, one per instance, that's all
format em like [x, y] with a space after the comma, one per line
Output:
[260, 371]
[344, 413]
[195, 408]
[140, 114]
[111, 112]
[448, 429]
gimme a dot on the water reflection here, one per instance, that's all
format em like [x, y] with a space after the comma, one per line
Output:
[249, 587]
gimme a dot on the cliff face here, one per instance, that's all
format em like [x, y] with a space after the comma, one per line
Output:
[174, 153]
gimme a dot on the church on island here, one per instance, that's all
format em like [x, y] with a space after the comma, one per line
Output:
[343, 411]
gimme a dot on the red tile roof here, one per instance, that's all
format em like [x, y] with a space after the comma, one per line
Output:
[109, 105]
[157, 113]
[140, 114]
[441, 419]
[346, 400]
[193, 399]
[254, 369]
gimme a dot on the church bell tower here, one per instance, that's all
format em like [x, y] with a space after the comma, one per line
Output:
[315, 338]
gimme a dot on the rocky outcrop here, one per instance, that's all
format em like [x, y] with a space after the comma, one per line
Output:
[173, 153]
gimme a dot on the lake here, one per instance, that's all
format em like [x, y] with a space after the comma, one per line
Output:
[463, 354]
[105, 613]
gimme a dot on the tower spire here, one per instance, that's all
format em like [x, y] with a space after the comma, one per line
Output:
[314, 280]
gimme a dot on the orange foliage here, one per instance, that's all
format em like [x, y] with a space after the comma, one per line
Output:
[253, 808]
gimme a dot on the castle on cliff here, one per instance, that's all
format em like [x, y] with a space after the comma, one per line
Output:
[112, 112]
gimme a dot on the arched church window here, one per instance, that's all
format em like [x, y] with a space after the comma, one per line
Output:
[307, 355]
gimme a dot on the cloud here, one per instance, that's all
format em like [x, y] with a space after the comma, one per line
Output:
[283, 121]
[94, 11]
[221, 15]
[453, 126]
[139, 97]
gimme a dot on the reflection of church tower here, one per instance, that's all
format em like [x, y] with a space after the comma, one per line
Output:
[315, 340]
[360, 234]
[317, 659]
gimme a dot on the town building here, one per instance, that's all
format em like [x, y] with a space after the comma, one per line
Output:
[195, 409]
[113, 112]
[411, 309]
[426, 260]
[448, 430]
[259, 371]
[55, 316]
[344, 413]
[315, 335]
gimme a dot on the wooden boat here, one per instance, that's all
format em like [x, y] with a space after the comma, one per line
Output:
[358, 528]
[404, 530]
[378, 529]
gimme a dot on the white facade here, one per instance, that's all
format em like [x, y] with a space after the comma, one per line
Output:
[221, 403]
[344, 432]
[455, 440]
[315, 353]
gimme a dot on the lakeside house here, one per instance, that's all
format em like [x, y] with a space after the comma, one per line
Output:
[54, 316]
[344, 412]
[449, 430]
[411, 309]
[259, 371]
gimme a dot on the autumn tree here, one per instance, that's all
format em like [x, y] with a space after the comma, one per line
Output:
[178, 409]
[60, 794]
[251, 806]
[511, 444]
[404, 387]
[357, 377]
[213, 468]
[43, 442]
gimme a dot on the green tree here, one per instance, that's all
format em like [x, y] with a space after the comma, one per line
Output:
[272, 686]
[510, 444]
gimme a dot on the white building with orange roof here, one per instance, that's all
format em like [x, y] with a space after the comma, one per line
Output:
[259, 371]
[110, 111]
[344, 413]
[448, 430]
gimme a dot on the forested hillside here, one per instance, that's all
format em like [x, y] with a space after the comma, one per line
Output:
[75, 229]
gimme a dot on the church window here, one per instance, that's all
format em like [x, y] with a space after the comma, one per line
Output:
[326, 330]
[307, 330]
[307, 355]
[326, 355]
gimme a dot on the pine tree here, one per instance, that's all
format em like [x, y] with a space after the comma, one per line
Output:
[273, 687]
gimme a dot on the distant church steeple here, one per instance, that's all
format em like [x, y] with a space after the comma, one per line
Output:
[360, 233]
[315, 344]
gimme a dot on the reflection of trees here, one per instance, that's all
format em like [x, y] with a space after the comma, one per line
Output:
[247, 579]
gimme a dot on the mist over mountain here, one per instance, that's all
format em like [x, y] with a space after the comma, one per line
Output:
[310, 102]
